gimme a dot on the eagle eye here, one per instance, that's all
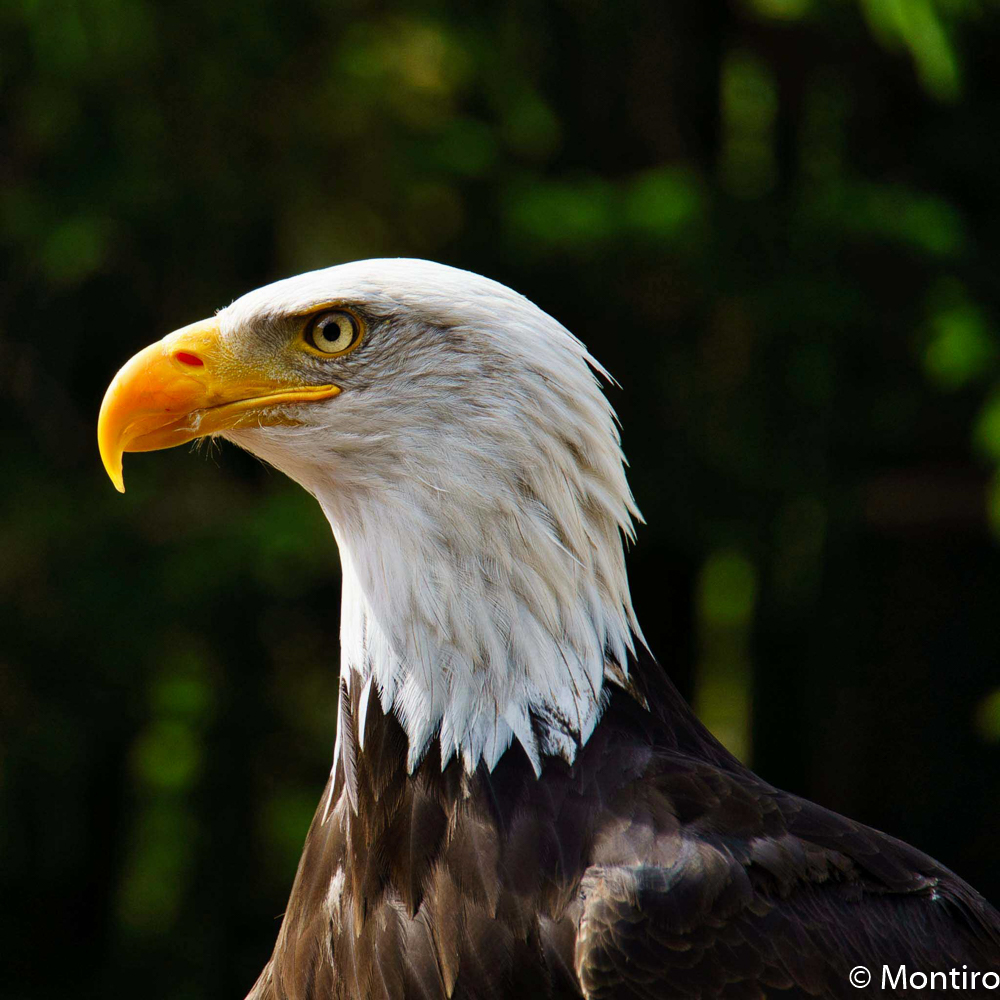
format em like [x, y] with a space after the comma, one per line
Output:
[333, 331]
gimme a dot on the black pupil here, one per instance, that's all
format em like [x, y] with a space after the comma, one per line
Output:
[332, 330]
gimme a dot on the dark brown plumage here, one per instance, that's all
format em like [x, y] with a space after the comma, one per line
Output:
[654, 866]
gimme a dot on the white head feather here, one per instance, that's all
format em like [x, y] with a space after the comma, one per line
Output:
[472, 473]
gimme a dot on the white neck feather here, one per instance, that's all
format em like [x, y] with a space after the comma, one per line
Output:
[492, 604]
[480, 637]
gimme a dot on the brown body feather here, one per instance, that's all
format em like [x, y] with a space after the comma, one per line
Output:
[654, 866]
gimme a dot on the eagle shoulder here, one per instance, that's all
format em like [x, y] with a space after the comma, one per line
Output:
[710, 883]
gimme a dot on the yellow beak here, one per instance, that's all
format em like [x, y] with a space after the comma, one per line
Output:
[184, 387]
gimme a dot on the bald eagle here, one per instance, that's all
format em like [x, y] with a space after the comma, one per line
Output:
[521, 804]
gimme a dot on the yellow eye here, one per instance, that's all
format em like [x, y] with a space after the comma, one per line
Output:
[333, 332]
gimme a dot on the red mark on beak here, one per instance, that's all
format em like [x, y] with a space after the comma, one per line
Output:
[189, 359]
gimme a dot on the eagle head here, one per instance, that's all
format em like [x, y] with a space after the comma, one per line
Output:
[458, 441]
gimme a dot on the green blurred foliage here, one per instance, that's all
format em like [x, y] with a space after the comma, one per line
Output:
[726, 594]
[776, 223]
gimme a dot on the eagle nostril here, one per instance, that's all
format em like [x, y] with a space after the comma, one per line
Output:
[189, 359]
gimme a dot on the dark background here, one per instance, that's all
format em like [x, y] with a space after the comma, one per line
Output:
[775, 221]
